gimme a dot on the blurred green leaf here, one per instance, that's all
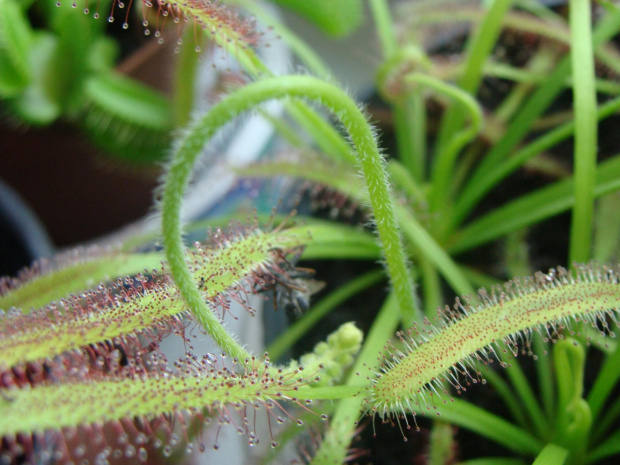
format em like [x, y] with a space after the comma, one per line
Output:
[73, 56]
[103, 54]
[126, 118]
[336, 18]
[15, 43]
[41, 102]
[551, 455]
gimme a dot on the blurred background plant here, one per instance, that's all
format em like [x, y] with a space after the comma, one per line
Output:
[90, 100]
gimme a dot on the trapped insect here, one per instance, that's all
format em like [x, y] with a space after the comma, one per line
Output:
[293, 290]
[292, 286]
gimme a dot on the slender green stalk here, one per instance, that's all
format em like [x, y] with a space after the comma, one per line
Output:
[610, 447]
[370, 160]
[498, 172]
[607, 229]
[431, 285]
[327, 138]
[336, 442]
[484, 423]
[410, 130]
[410, 112]
[443, 167]
[539, 65]
[526, 396]
[519, 126]
[503, 390]
[334, 241]
[185, 74]
[545, 375]
[554, 30]
[540, 10]
[345, 391]
[605, 421]
[442, 444]
[421, 238]
[306, 54]
[532, 208]
[608, 377]
[76, 276]
[584, 97]
[413, 138]
[574, 417]
[403, 179]
[503, 71]
[478, 49]
[385, 26]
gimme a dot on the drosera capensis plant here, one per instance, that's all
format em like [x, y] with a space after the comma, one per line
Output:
[83, 374]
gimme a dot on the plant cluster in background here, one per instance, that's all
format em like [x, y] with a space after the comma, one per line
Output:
[47, 75]
[83, 375]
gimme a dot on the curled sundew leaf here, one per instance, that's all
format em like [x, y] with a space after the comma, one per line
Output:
[227, 269]
[546, 303]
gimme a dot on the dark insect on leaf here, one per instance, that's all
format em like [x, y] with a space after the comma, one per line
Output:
[292, 286]
[293, 292]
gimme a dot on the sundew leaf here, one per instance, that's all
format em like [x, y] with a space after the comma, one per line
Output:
[132, 418]
[78, 403]
[231, 31]
[547, 303]
[71, 272]
[232, 265]
[85, 376]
